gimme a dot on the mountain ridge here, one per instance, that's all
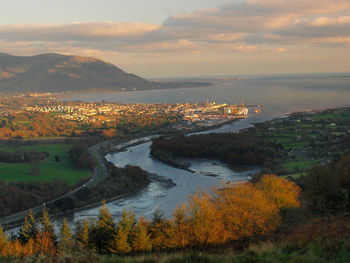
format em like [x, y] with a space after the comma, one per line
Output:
[52, 72]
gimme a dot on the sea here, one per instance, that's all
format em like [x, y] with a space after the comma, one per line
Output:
[280, 94]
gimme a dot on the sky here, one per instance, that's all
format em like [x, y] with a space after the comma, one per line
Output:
[184, 38]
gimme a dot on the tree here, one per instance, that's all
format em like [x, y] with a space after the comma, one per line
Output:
[127, 222]
[141, 241]
[121, 244]
[105, 230]
[3, 243]
[281, 191]
[47, 225]
[123, 238]
[66, 237]
[82, 233]
[44, 244]
[180, 228]
[246, 211]
[159, 230]
[206, 226]
[323, 192]
[30, 228]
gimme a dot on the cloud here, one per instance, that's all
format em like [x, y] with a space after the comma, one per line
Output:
[281, 50]
[244, 27]
[75, 31]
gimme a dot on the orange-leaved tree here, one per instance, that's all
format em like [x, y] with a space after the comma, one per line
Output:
[246, 211]
[3, 243]
[281, 191]
[179, 232]
[206, 226]
[141, 240]
[122, 240]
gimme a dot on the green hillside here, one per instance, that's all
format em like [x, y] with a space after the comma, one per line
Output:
[57, 73]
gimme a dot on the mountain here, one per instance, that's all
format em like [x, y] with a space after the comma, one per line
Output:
[57, 73]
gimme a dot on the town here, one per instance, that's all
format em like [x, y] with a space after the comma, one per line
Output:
[107, 114]
[189, 114]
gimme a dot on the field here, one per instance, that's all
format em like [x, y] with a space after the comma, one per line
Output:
[49, 168]
[308, 139]
[299, 165]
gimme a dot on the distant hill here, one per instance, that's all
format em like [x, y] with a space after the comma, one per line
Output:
[57, 73]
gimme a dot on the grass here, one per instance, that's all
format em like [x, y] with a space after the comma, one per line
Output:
[49, 168]
[295, 175]
[265, 253]
[290, 166]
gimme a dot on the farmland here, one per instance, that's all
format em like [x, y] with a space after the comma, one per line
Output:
[57, 166]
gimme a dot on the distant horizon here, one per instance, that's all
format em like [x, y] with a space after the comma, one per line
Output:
[184, 77]
[165, 38]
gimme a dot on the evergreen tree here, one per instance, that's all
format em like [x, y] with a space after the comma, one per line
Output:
[127, 222]
[47, 225]
[82, 233]
[121, 244]
[158, 217]
[30, 228]
[158, 229]
[122, 240]
[3, 242]
[66, 237]
[180, 227]
[104, 232]
[141, 238]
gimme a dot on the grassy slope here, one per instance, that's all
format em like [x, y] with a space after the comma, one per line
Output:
[289, 166]
[49, 169]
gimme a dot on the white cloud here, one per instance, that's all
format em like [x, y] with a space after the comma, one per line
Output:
[248, 26]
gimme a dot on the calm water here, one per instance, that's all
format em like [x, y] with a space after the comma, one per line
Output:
[280, 95]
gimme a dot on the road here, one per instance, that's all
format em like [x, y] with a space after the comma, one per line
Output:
[99, 173]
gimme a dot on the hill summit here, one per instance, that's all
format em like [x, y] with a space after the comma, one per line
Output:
[58, 73]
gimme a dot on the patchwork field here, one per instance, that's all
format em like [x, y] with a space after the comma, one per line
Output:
[50, 169]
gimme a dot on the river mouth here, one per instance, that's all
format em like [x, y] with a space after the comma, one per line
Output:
[205, 175]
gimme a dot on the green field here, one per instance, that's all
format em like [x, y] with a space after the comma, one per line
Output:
[49, 168]
[290, 166]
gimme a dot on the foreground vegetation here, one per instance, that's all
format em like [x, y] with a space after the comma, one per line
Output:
[270, 219]
[207, 220]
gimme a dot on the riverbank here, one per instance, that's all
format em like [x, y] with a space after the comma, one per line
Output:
[301, 140]
[168, 183]
[125, 142]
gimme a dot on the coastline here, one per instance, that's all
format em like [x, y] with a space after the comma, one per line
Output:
[287, 115]
[152, 177]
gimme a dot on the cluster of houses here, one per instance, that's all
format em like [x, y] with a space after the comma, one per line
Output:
[199, 114]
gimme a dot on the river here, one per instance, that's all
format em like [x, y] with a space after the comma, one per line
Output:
[207, 173]
[280, 95]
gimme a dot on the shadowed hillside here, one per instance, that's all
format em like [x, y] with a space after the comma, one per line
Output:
[56, 73]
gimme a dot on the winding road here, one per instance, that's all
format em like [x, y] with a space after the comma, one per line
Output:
[99, 173]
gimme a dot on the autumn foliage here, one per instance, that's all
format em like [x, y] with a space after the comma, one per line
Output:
[232, 212]
[280, 191]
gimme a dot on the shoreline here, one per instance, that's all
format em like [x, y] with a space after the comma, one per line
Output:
[151, 177]
[286, 115]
